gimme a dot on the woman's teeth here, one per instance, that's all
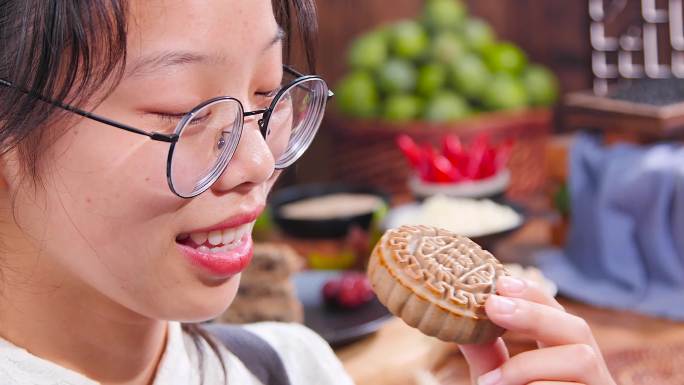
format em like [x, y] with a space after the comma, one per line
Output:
[219, 241]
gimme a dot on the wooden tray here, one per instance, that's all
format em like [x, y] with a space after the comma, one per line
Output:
[635, 115]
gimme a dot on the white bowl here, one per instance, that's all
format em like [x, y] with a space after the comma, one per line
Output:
[412, 214]
[483, 188]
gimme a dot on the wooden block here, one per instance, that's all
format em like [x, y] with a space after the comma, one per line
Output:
[557, 157]
[586, 111]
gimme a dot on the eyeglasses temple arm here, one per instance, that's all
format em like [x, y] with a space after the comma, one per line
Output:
[292, 71]
[153, 135]
[298, 74]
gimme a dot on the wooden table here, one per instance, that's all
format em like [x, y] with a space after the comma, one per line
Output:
[401, 355]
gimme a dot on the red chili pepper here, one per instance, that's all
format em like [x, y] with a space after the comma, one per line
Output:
[444, 171]
[427, 169]
[488, 164]
[452, 148]
[410, 149]
[476, 155]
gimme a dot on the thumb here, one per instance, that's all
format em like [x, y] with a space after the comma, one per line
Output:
[484, 357]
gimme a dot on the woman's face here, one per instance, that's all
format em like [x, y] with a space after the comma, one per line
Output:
[104, 223]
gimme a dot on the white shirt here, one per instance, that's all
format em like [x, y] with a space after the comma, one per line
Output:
[306, 357]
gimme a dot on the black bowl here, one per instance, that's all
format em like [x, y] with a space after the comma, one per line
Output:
[320, 229]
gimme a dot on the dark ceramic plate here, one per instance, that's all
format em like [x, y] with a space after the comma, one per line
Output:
[330, 228]
[338, 327]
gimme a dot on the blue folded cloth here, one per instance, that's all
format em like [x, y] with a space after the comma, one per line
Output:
[625, 248]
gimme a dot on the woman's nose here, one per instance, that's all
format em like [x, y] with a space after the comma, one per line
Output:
[252, 164]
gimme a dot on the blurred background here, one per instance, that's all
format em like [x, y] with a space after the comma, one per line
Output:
[547, 131]
[553, 34]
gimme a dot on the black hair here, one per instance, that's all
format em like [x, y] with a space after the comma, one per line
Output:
[66, 50]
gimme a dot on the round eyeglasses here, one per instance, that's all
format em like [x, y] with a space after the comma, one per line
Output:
[205, 139]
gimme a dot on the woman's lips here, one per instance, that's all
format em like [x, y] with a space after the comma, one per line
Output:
[222, 250]
[224, 263]
[232, 222]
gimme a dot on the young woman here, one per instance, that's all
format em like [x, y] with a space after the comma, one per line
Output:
[139, 142]
[118, 225]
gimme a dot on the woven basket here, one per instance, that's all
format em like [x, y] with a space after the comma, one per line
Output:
[365, 150]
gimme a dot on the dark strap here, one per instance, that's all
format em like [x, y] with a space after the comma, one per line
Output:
[258, 355]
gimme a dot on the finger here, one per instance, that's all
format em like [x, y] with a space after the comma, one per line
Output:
[529, 290]
[540, 322]
[483, 358]
[570, 363]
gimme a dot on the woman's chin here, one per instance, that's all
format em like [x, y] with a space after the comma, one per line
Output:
[205, 304]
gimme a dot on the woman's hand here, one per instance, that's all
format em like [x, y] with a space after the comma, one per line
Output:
[567, 354]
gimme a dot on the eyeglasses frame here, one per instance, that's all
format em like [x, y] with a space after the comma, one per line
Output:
[172, 139]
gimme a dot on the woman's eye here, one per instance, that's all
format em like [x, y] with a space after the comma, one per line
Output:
[268, 95]
[169, 117]
[174, 118]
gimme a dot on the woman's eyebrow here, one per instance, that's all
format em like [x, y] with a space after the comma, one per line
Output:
[159, 60]
[164, 59]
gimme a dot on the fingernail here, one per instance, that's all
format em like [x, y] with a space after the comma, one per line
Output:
[503, 305]
[512, 285]
[491, 378]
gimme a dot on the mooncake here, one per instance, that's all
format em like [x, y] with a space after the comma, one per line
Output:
[437, 282]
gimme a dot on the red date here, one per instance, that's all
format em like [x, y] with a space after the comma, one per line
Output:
[348, 291]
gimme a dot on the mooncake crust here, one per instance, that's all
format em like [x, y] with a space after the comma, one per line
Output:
[436, 281]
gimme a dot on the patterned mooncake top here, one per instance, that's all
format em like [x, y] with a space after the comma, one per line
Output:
[448, 267]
